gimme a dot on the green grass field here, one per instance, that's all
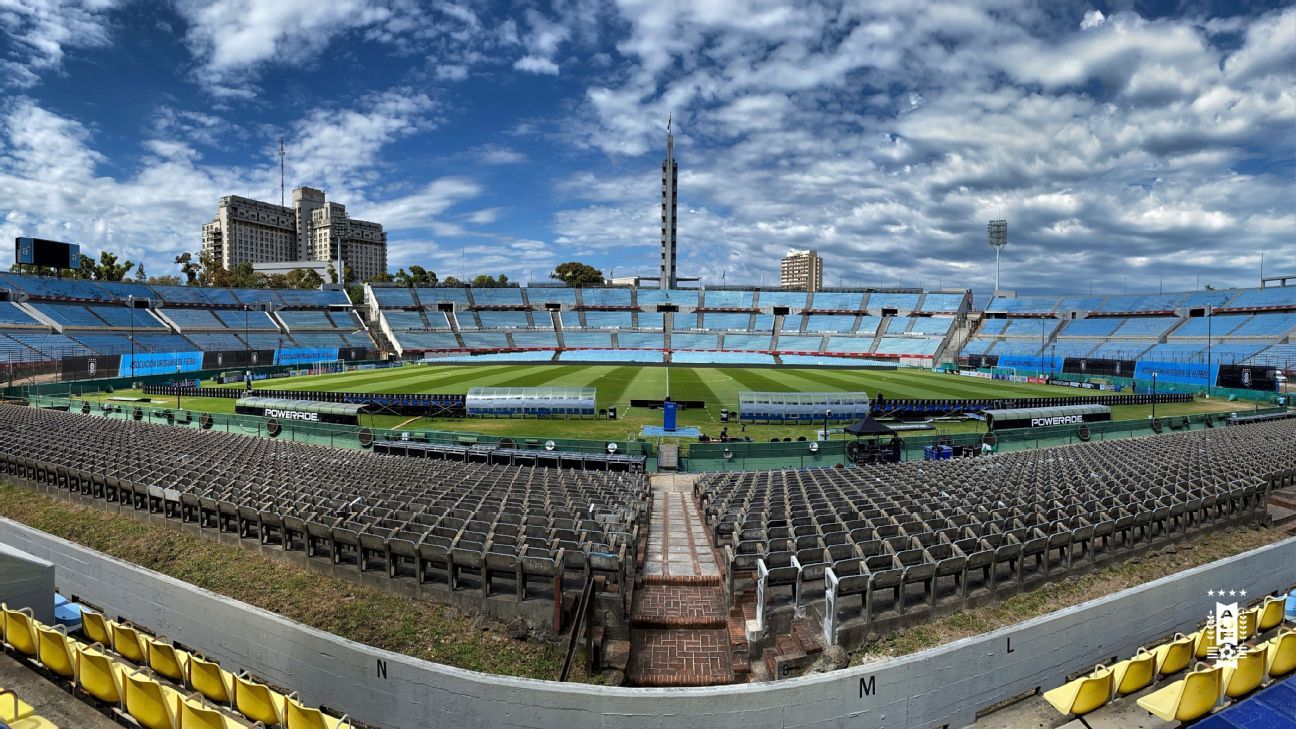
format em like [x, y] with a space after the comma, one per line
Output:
[617, 386]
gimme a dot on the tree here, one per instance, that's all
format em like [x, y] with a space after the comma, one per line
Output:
[167, 280]
[485, 281]
[189, 267]
[275, 281]
[452, 281]
[211, 272]
[140, 276]
[575, 273]
[108, 269]
[243, 276]
[304, 278]
[420, 277]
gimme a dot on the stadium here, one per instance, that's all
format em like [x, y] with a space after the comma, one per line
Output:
[303, 481]
[847, 486]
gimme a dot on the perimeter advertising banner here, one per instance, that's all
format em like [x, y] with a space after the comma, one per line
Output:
[305, 355]
[159, 363]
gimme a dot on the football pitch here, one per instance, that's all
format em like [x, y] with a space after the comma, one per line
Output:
[616, 386]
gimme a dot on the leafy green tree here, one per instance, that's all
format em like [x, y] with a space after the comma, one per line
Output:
[109, 269]
[190, 268]
[486, 281]
[451, 281]
[167, 280]
[140, 276]
[304, 278]
[575, 273]
[421, 277]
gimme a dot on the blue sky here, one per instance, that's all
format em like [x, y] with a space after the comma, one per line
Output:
[1130, 145]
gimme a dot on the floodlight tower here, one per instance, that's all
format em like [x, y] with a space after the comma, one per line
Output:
[997, 237]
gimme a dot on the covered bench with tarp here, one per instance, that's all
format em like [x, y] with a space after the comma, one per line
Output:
[874, 443]
[1046, 417]
[803, 407]
[310, 411]
[537, 401]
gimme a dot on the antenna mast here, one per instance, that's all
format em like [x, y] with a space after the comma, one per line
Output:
[281, 172]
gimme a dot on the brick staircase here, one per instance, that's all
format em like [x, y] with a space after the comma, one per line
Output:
[679, 635]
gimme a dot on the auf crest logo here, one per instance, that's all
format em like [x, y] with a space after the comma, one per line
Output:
[1227, 624]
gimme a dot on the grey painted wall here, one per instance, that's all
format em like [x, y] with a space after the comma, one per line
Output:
[936, 687]
[26, 581]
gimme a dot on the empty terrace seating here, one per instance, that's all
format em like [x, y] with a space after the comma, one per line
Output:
[1023, 305]
[897, 540]
[1274, 297]
[147, 680]
[1266, 651]
[439, 526]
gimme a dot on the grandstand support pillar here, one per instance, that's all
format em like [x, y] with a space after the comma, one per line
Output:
[556, 320]
[778, 327]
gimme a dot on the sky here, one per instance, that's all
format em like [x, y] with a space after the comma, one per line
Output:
[1131, 146]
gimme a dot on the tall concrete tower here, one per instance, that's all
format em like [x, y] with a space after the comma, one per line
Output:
[670, 177]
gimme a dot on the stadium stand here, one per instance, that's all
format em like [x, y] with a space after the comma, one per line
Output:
[462, 528]
[866, 549]
[49, 319]
[1239, 326]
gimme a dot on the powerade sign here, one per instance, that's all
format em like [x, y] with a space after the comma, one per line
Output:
[291, 415]
[1057, 420]
[305, 355]
[1183, 373]
[159, 363]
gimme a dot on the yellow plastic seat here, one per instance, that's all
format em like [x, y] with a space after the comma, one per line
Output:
[165, 660]
[95, 627]
[32, 722]
[56, 651]
[196, 715]
[1271, 612]
[128, 643]
[1248, 622]
[1248, 674]
[1282, 653]
[210, 680]
[20, 630]
[98, 674]
[1191, 697]
[1204, 641]
[148, 702]
[1077, 697]
[298, 716]
[13, 708]
[1134, 674]
[1174, 656]
[258, 702]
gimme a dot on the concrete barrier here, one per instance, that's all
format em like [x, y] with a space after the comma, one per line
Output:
[941, 686]
[26, 581]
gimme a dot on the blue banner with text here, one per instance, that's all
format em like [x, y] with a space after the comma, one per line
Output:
[159, 363]
[305, 355]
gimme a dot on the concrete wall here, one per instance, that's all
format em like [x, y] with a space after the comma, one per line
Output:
[26, 581]
[943, 686]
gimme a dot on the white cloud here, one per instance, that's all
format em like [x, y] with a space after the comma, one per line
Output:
[495, 154]
[40, 32]
[233, 36]
[869, 135]
[536, 64]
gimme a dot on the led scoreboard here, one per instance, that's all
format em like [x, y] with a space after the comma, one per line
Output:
[51, 253]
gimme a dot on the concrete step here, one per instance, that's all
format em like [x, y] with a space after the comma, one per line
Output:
[713, 580]
[616, 655]
[699, 622]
